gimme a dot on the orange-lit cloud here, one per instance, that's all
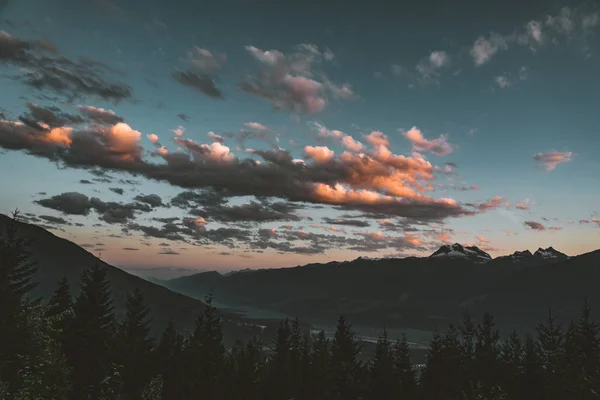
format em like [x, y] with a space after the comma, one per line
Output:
[439, 146]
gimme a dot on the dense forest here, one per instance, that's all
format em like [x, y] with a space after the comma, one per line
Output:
[75, 349]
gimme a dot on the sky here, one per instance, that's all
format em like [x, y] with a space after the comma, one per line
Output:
[257, 134]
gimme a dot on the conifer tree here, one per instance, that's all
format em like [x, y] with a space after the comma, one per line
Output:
[62, 299]
[206, 353]
[346, 369]
[280, 364]
[587, 347]
[319, 376]
[531, 383]
[487, 352]
[134, 346]
[404, 371]
[512, 363]
[16, 281]
[550, 340]
[91, 334]
[168, 357]
[383, 383]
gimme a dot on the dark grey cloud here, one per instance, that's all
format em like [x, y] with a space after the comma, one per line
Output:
[251, 212]
[347, 222]
[169, 252]
[117, 190]
[53, 117]
[153, 200]
[57, 73]
[534, 225]
[184, 117]
[130, 249]
[85, 182]
[73, 203]
[203, 83]
[54, 220]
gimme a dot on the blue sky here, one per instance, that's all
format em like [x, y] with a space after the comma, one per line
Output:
[477, 124]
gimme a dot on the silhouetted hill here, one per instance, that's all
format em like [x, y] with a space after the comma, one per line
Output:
[56, 257]
[413, 292]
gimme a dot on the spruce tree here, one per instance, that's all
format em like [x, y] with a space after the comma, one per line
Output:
[168, 358]
[383, 383]
[16, 274]
[205, 353]
[403, 369]
[512, 364]
[319, 376]
[134, 346]
[487, 353]
[281, 379]
[550, 340]
[587, 345]
[91, 334]
[346, 369]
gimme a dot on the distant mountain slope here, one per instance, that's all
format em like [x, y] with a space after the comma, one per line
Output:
[412, 292]
[56, 257]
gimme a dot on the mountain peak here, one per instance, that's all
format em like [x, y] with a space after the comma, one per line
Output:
[459, 251]
[549, 253]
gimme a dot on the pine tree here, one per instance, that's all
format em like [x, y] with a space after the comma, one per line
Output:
[405, 374]
[512, 364]
[587, 346]
[62, 299]
[468, 335]
[280, 383]
[134, 346]
[168, 358]
[382, 379]
[346, 369]
[531, 383]
[550, 340]
[91, 334]
[16, 274]
[205, 353]
[432, 383]
[318, 381]
[487, 353]
[248, 363]
[296, 354]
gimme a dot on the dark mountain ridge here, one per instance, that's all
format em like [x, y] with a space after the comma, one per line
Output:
[413, 292]
[56, 257]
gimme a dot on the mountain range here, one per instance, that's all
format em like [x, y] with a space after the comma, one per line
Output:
[422, 293]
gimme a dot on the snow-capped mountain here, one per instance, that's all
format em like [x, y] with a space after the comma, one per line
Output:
[518, 256]
[458, 251]
[550, 253]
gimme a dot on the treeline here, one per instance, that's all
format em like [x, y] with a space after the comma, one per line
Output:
[75, 349]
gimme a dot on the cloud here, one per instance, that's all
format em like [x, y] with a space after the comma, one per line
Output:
[502, 81]
[47, 118]
[153, 139]
[73, 203]
[215, 137]
[100, 115]
[57, 73]
[202, 69]
[169, 252]
[288, 81]
[485, 48]
[184, 117]
[202, 83]
[346, 140]
[535, 225]
[54, 220]
[439, 146]
[153, 200]
[524, 205]
[346, 222]
[256, 125]
[179, 131]
[550, 160]
[492, 204]
[130, 249]
[320, 154]
[428, 68]
[117, 190]
[374, 181]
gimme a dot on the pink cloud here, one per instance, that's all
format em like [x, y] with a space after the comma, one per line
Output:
[256, 125]
[152, 138]
[550, 160]
[306, 91]
[215, 137]
[524, 205]
[535, 225]
[492, 204]
[320, 154]
[377, 138]
[179, 131]
[439, 146]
